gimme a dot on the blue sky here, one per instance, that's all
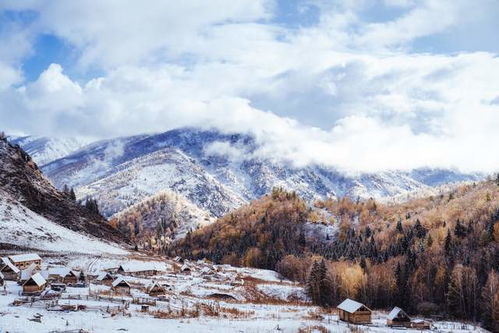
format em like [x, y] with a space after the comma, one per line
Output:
[356, 84]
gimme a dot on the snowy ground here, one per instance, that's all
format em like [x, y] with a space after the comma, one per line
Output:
[22, 227]
[260, 302]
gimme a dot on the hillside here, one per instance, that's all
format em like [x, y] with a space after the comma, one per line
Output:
[159, 219]
[437, 254]
[44, 150]
[22, 181]
[217, 172]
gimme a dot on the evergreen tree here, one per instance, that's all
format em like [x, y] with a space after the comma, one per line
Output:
[399, 227]
[460, 230]
[72, 194]
[319, 285]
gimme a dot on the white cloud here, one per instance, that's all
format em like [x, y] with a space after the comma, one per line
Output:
[343, 92]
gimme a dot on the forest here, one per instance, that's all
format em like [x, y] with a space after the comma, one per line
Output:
[434, 256]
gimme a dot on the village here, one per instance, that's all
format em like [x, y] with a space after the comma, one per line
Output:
[78, 293]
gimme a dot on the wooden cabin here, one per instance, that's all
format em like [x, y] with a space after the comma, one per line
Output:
[398, 318]
[185, 269]
[156, 289]
[61, 275]
[2, 280]
[120, 286]
[354, 312]
[105, 278]
[34, 285]
[23, 261]
[140, 269]
[27, 273]
[9, 270]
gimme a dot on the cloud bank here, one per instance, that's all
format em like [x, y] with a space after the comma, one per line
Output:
[349, 88]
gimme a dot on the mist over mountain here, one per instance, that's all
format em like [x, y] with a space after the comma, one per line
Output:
[217, 172]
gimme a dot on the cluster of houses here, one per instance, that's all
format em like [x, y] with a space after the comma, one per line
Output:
[357, 313]
[26, 269]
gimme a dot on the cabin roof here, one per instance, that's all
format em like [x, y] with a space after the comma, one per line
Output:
[104, 275]
[142, 267]
[7, 263]
[24, 257]
[1, 275]
[60, 271]
[38, 279]
[395, 312]
[28, 272]
[156, 285]
[120, 280]
[350, 306]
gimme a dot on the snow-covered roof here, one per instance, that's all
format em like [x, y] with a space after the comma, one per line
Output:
[38, 279]
[142, 267]
[120, 280]
[28, 272]
[1, 275]
[60, 271]
[7, 263]
[24, 257]
[350, 306]
[185, 267]
[155, 284]
[103, 275]
[395, 312]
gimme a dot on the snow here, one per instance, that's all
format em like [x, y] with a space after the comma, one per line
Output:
[23, 227]
[349, 305]
[395, 311]
[239, 315]
[38, 279]
[7, 262]
[123, 172]
[140, 266]
[24, 257]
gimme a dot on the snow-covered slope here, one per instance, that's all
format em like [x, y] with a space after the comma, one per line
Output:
[22, 227]
[216, 171]
[45, 150]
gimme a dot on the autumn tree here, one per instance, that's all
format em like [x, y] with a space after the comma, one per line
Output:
[490, 302]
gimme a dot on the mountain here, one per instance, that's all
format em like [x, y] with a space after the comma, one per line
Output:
[438, 254]
[45, 150]
[157, 217]
[215, 171]
[22, 183]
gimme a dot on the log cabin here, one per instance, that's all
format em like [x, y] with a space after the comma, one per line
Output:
[34, 285]
[23, 261]
[398, 318]
[140, 269]
[354, 312]
[120, 286]
[9, 270]
[156, 289]
[61, 275]
[2, 280]
[105, 278]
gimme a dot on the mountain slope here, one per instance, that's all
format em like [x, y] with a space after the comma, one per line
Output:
[429, 255]
[217, 172]
[45, 150]
[22, 181]
[163, 217]
[21, 227]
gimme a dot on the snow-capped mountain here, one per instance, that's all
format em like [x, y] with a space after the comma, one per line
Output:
[45, 150]
[215, 171]
[23, 183]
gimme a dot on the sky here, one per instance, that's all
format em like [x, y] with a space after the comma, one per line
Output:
[364, 85]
